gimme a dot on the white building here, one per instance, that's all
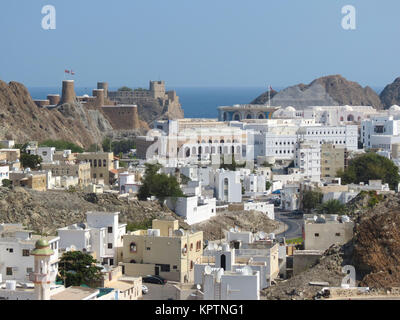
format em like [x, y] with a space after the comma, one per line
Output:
[254, 184]
[4, 173]
[126, 182]
[264, 207]
[228, 186]
[308, 160]
[193, 209]
[101, 235]
[277, 138]
[46, 153]
[380, 132]
[16, 261]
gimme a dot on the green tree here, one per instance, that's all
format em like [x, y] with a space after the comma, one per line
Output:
[107, 145]
[30, 161]
[332, 207]
[6, 183]
[124, 88]
[62, 145]
[159, 185]
[371, 166]
[78, 268]
[311, 200]
[268, 185]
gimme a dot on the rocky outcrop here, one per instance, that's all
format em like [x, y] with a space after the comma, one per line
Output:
[391, 94]
[21, 120]
[326, 91]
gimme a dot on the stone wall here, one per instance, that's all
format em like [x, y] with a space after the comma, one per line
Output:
[122, 117]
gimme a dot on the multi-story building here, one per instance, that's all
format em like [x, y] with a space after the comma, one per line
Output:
[380, 132]
[101, 236]
[227, 185]
[100, 164]
[308, 158]
[164, 250]
[16, 261]
[333, 159]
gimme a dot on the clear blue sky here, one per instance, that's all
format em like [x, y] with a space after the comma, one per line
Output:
[199, 42]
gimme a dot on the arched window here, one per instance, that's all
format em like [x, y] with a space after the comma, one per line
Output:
[350, 117]
[222, 141]
[248, 116]
[95, 163]
[187, 152]
[99, 162]
[104, 163]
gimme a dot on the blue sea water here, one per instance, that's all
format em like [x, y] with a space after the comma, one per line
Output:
[197, 102]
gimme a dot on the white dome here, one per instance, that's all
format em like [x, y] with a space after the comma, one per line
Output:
[394, 108]
[291, 109]
[86, 96]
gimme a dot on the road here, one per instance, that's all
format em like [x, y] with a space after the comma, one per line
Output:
[160, 292]
[294, 223]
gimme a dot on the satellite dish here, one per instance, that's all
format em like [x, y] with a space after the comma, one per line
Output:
[207, 270]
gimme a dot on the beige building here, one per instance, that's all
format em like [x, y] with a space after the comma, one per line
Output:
[80, 170]
[33, 180]
[320, 232]
[100, 164]
[11, 155]
[164, 250]
[333, 159]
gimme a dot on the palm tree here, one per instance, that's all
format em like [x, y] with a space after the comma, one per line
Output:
[332, 207]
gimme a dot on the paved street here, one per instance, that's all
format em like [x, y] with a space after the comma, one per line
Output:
[160, 292]
[294, 223]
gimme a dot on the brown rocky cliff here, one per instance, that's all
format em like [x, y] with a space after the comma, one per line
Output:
[391, 94]
[21, 120]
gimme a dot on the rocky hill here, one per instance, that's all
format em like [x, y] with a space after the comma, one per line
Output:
[374, 252]
[391, 94]
[21, 120]
[47, 211]
[326, 91]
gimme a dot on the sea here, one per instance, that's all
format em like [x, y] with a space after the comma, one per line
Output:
[197, 102]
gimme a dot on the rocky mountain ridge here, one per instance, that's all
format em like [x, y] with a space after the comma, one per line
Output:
[330, 90]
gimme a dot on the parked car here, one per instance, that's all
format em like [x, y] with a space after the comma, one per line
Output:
[154, 279]
[145, 290]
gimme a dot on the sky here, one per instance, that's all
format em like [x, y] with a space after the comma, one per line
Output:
[199, 43]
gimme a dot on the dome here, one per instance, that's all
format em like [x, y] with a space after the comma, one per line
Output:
[394, 108]
[290, 109]
[41, 243]
[86, 96]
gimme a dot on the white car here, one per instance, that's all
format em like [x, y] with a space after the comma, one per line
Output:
[145, 289]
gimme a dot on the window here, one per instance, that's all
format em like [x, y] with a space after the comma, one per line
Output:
[337, 234]
[109, 229]
[10, 250]
[191, 247]
[25, 252]
[148, 248]
[133, 247]
[316, 234]
[29, 270]
[175, 267]
[110, 246]
[9, 271]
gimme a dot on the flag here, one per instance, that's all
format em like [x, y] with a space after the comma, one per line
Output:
[66, 71]
[72, 72]
[270, 88]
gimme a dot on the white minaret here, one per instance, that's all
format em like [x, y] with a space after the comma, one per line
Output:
[41, 275]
